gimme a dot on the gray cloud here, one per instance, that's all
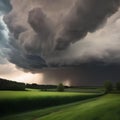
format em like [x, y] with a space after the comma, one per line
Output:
[28, 62]
[71, 41]
[86, 16]
[88, 74]
[42, 36]
[27, 40]
[44, 29]
[5, 6]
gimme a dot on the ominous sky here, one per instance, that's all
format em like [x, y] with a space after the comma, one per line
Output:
[76, 42]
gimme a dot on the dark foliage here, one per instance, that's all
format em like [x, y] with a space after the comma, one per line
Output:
[60, 87]
[11, 85]
[118, 86]
[42, 87]
[108, 86]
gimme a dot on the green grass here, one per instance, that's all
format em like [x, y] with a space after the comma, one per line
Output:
[86, 90]
[102, 108]
[20, 101]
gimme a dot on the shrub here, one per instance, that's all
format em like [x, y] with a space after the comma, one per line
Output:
[60, 87]
[108, 86]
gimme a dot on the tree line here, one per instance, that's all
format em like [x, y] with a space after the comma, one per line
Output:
[42, 87]
[11, 85]
[109, 86]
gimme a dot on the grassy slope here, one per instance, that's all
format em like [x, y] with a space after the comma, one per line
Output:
[32, 94]
[103, 108]
[20, 101]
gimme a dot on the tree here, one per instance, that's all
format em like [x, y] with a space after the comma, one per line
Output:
[60, 87]
[108, 86]
[118, 86]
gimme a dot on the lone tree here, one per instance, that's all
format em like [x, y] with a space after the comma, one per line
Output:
[108, 86]
[60, 87]
[118, 86]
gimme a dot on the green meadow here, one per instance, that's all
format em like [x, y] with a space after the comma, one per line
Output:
[106, 107]
[12, 102]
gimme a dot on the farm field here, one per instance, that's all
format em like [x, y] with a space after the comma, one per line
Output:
[82, 90]
[21, 101]
[101, 108]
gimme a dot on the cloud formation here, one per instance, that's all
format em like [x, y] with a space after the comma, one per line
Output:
[67, 34]
[5, 6]
[86, 16]
[88, 74]
[3, 45]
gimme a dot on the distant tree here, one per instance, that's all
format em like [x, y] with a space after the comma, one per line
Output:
[108, 86]
[43, 89]
[60, 87]
[118, 86]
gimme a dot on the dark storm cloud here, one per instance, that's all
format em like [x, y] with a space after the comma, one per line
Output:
[47, 34]
[86, 16]
[15, 29]
[88, 74]
[23, 55]
[38, 21]
[41, 24]
[5, 6]
[28, 62]
[35, 33]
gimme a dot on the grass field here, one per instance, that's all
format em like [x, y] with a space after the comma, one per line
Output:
[83, 90]
[106, 107]
[20, 101]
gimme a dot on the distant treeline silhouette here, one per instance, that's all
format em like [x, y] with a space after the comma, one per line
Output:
[42, 87]
[11, 85]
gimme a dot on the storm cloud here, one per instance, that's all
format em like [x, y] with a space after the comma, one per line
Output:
[5, 6]
[88, 74]
[86, 16]
[67, 34]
